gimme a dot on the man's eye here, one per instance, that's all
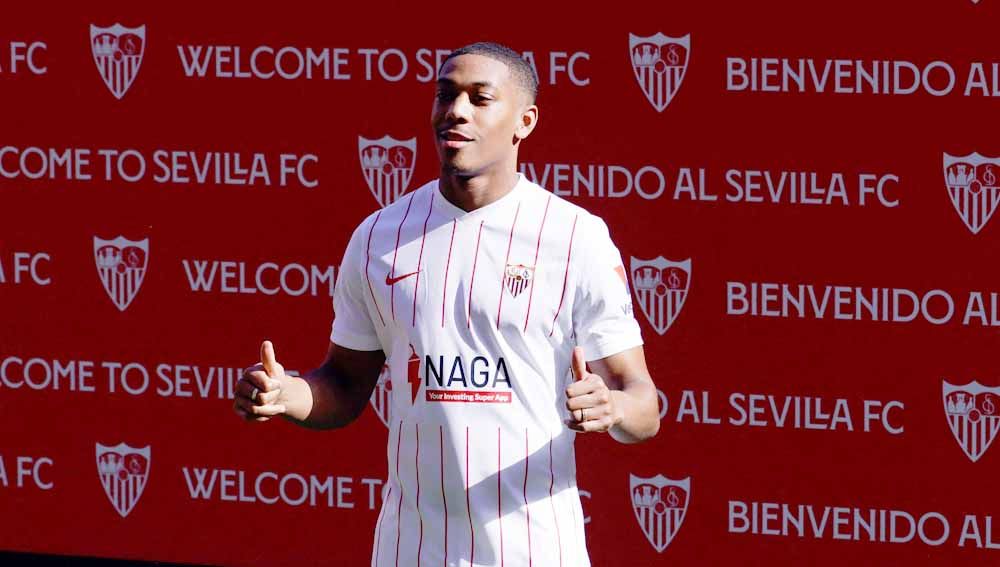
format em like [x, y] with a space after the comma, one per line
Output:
[445, 95]
[483, 99]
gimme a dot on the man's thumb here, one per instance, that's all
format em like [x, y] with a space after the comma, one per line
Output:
[579, 364]
[267, 358]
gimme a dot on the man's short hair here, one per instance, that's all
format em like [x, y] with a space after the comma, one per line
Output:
[522, 72]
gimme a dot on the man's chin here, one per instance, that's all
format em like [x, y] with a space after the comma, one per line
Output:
[457, 167]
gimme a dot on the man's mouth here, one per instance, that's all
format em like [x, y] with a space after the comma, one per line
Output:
[453, 138]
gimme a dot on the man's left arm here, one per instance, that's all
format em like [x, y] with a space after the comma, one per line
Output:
[617, 397]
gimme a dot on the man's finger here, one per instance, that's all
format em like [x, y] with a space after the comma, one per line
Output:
[268, 410]
[265, 398]
[267, 359]
[248, 416]
[245, 389]
[259, 410]
[254, 377]
[579, 364]
[593, 402]
[249, 381]
[591, 425]
[582, 388]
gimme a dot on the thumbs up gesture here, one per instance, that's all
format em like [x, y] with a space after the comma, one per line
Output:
[258, 392]
[588, 399]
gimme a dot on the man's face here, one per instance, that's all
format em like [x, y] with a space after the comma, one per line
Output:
[477, 110]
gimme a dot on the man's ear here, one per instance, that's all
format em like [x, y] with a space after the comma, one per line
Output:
[529, 119]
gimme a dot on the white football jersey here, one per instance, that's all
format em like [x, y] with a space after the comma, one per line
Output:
[477, 313]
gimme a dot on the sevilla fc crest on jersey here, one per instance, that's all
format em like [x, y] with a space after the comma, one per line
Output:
[973, 187]
[660, 286]
[517, 278]
[659, 505]
[659, 63]
[121, 265]
[972, 415]
[123, 472]
[118, 54]
[387, 164]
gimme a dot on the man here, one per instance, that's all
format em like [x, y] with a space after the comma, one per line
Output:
[473, 290]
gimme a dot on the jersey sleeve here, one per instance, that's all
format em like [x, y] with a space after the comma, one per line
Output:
[603, 320]
[353, 327]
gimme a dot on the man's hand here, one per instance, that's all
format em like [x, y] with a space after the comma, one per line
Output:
[589, 401]
[259, 391]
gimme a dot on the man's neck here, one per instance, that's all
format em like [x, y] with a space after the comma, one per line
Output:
[471, 193]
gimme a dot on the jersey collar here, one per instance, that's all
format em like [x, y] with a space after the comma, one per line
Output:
[501, 204]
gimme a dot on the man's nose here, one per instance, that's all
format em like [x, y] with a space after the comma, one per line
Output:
[460, 108]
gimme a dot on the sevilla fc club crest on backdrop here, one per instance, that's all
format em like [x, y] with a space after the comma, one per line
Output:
[660, 505]
[381, 399]
[660, 286]
[659, 63]
[118, 54]
[387, 164]
[517, 277]
[971, 410]
[973, 187]
[121, 265]
[123, 472]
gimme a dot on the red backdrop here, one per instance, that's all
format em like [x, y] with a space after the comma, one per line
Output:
[827, 171]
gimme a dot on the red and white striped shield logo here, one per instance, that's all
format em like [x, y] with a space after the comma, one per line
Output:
[118, 54]
[381, 399]
[973, 188]
[659, 63]
[660, 505]
[121, 265]
[517, 277]
[123, 472]
[660, 286]
[971, 410]
[387, 164]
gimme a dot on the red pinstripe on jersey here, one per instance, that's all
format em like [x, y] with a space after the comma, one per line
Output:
[392, 272]
[562, 296]
[472, 280]
[444, 292]
[369, 261]
[555, 517]
[468, 507]
[399, 507]
[420, 260]
[378, 529]
[503, 273]
[499, 489]
[420, 543]
[527, 511]
[538, 247]
[444, 497]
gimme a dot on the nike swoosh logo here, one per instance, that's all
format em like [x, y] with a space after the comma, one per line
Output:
[397, 279]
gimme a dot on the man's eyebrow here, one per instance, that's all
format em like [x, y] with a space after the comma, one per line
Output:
[479, 84]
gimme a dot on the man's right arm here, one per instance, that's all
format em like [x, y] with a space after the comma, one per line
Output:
[335, 394]
[331, 396]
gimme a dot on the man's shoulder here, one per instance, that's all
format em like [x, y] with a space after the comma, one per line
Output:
[562, 208]
[395, 210]
[401, 204]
